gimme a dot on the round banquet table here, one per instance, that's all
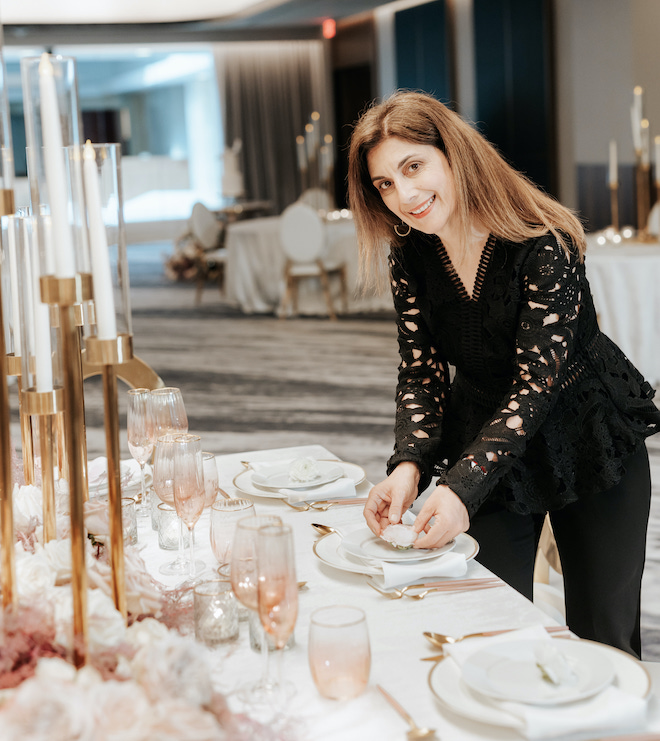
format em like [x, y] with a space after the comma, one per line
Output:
[625, 282]
[254, 270]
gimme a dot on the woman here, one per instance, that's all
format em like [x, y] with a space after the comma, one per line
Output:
[544, 413]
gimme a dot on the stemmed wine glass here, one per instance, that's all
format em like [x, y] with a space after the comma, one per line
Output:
[188, 488]
[141, 437]
[210, 478]
[277, 597]
[168, 415]
[168, 411]
[244, 576]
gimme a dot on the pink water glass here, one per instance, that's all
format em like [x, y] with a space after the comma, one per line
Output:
[339, 652]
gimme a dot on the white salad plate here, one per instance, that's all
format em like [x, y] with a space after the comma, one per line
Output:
[129, 471]
[455, 696]
[328, 471]
[362, 543]
[509, 671]
[245, 483]
[328, 549]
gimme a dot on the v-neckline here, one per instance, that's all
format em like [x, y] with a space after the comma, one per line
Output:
[481, 270]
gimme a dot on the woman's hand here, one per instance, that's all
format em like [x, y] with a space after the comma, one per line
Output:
[451, 519]
[388, 500]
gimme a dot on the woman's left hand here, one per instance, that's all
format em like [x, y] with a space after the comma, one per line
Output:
[451, 519]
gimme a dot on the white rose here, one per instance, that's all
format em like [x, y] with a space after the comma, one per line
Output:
[106, 623]
[34, 574]
[97, 519]
[174, 667]
[304, 469]
[122, 712]
[41, 709]
[55, 670]
[28, 507]
[58, 553]
[145, 633]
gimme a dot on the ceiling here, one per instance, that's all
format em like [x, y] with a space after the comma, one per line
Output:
[24, 18]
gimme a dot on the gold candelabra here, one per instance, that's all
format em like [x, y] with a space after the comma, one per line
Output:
[109, 354]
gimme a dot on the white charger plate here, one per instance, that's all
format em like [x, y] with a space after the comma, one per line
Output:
[362, 543]
[328, 550]
[245, 484]
[508, 671]
[328, 471]
[456, 697]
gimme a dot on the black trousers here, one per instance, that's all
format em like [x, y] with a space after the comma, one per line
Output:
[602, 542]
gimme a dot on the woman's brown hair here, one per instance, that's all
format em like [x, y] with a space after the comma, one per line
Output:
[488, 190]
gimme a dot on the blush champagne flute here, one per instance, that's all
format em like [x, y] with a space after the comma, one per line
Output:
[141, 437]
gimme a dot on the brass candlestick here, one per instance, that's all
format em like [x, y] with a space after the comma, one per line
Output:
[7, 564]
[614, 205]
[65, 293]
[642, 173]
[109, 354]
[46, 405]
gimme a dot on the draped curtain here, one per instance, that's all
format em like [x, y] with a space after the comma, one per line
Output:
[268, 91]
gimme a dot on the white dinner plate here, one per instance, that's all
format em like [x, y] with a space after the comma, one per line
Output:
[129, 473]
[456, 697]
[362, 543]
[509, 671]
[245, 484]
[328, 550]
[328, 471]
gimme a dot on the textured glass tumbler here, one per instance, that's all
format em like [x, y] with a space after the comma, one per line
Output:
[129, 520]
[169, 529]
[339, 652]
[215, 613]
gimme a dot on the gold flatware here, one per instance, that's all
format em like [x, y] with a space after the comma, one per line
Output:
[464, 585]
[302, 585]
[323, 505]
[415, 731]
[323, 529]
[440, 639]
[224, 493]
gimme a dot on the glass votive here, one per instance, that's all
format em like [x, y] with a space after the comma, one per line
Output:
[215, 613]
[169, 529]
[257, 634]
[154, 501]
[339, 652]
[129, 520]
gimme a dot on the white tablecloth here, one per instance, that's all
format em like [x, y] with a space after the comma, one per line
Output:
[625, 281]
[254, 271]
[395, 628]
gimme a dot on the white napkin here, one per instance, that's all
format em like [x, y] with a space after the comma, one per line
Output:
[340, 489]
[608, 711]
[267, 468]
[407, 572]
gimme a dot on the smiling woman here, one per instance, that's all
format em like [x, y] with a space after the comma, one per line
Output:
[544, 414]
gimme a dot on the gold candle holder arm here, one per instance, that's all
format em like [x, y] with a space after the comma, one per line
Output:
[614, 205]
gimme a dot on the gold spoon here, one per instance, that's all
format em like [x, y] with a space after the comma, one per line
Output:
[440, 639]
[324, 529]
[415, 731]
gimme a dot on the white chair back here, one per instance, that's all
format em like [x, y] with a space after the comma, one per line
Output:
[301, 233]
[205, 227]
[317, 198]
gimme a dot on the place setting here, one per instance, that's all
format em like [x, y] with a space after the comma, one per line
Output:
[304, 483]
[540, 684]
[395, 569]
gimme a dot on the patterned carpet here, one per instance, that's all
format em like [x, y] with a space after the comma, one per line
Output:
[260, 382]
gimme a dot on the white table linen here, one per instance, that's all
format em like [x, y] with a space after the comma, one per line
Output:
[254, 271]
[395, 628]
[625, 282]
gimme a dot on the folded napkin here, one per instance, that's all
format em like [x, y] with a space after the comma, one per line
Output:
[266, 468]
[340, 489]
[407, 572]
[608, 711]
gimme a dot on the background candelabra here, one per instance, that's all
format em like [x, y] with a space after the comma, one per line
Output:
[315, 157]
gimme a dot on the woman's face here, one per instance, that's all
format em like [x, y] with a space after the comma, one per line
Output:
[416, 184]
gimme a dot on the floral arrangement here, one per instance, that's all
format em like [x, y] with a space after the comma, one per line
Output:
[142, 682]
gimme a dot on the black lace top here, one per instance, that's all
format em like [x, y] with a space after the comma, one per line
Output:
[542, 405]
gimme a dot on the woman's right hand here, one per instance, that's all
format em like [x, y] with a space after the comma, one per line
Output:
[388, 500]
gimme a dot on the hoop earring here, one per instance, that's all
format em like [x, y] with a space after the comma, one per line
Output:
[405, 234]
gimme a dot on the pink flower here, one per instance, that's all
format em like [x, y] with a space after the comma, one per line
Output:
[121, 712]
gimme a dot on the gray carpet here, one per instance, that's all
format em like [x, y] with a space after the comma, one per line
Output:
[260, 382]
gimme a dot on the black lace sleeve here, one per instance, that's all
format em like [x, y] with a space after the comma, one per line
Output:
[422, 381]
[552, 285]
